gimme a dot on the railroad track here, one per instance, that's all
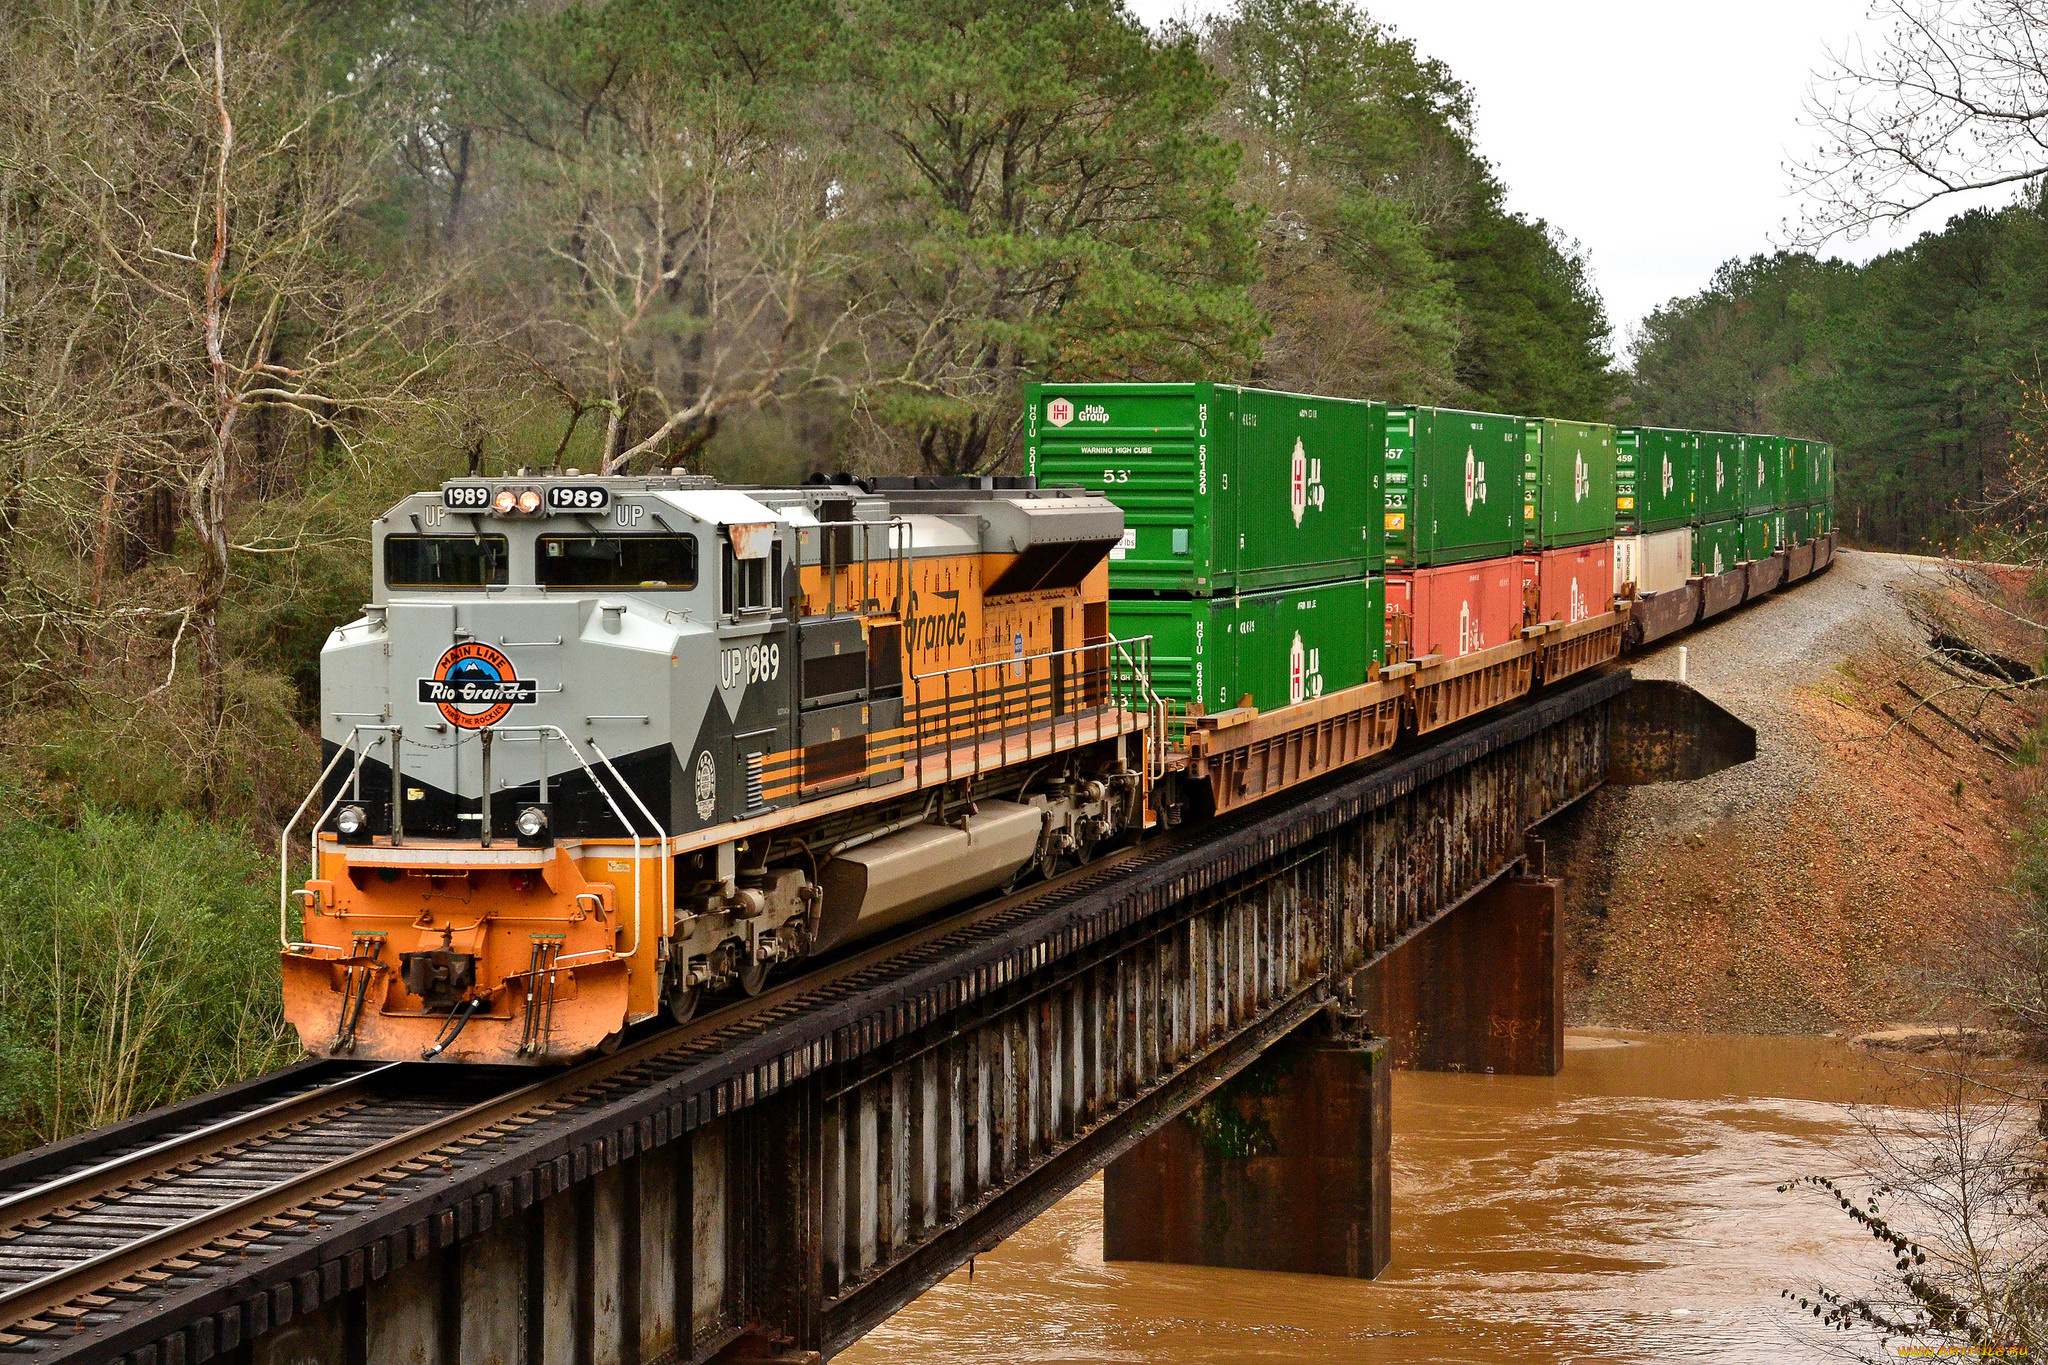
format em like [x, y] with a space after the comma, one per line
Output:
[98, 1236]
[122, 1224]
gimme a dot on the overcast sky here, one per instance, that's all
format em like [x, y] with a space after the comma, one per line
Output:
[1656, 132]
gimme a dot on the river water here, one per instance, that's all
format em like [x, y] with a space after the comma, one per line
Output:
[1626, 1210]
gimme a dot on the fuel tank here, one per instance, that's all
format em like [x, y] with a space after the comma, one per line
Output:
[898, 877]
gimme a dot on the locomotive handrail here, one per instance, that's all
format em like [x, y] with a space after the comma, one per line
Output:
[667, 897]
[1012, 660]
[1156, 708]
[540, 732]
[284, 854]
[639, 906]
[899, 548]
[1117, 691]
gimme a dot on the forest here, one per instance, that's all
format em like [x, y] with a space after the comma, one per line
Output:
[264, 268]
[1922, 367]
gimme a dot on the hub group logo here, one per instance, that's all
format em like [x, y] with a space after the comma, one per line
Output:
[1304, 483]
[1304, 671]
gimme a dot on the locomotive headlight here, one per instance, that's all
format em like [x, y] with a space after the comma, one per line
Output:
[351, 819]
[530, 822]
[505, 502]
[529, 502]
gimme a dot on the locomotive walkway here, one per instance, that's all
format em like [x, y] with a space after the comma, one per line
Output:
[775, 1178]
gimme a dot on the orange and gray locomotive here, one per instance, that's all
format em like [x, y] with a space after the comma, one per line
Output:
[597, 746]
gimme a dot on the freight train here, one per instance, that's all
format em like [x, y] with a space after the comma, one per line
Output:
[599, 746]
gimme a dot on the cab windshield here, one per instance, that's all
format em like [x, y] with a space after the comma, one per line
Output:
[445, 561]
[666, 562]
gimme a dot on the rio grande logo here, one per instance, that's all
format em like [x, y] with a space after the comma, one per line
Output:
[1304, 671]
[1475, 479]
[1582, 478]
[475, 687]
[706, 785]
[1304, 483]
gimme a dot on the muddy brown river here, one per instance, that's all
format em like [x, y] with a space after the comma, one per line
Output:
[1624, 1211]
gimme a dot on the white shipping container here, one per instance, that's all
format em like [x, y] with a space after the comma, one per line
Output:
[1656, 563]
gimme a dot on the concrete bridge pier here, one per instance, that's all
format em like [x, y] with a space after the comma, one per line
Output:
[1286, 1165]
[1481, 989]
[1282, 1167]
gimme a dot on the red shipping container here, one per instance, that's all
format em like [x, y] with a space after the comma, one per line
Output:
[1574, 583]
[1456, 609]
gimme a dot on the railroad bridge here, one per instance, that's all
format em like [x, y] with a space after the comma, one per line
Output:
[774, 1179]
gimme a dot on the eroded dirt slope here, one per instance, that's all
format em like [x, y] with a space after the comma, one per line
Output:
[1845, 878]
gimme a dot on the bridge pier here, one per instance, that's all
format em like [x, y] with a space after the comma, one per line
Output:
[1283, 1167]
[1480, 989]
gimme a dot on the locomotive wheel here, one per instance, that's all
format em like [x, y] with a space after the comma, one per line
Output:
[754, 977]
[682, 1004]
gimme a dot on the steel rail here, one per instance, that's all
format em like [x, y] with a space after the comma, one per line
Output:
[61, 1287]
[94, 1182]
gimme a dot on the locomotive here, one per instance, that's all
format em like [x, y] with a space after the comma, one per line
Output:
[597, 746]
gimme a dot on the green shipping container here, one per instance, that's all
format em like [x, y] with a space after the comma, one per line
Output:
[1718, 485]
[1798, 525]
[1276, 647]
[1763, 474]
[1791, 472]
[1567, 483]
[1759, 536]
[1653, 478]
[1224, 489]
[1717, 547]
[1805, 472]
[1451, 478]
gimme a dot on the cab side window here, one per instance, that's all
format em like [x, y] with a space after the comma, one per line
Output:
[751, 586]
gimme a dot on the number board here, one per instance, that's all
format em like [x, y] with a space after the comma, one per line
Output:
[467, 497]
[578, 497]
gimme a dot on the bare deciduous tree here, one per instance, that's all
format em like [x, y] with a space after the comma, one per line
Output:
[1953, 101]
[1952, 1194]
[199, 202]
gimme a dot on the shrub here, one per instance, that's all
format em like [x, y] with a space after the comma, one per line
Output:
[138, 965]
